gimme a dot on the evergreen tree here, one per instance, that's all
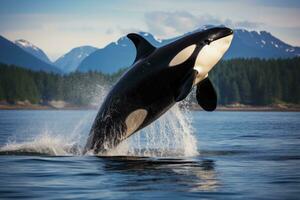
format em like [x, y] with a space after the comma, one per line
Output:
[2, 96]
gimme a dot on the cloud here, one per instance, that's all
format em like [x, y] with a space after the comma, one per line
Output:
[166, 24]
[247, 24]
[125, 31]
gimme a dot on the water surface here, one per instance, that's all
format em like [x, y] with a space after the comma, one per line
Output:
[240, 155]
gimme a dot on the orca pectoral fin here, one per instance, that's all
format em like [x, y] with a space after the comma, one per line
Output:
[206, 95]
[186, 86]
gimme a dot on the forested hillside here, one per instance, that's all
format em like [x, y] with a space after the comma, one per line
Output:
[257, 82]
[19, 84]
[245, 81]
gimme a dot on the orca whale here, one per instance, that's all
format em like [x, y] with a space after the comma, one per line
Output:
[158, 78]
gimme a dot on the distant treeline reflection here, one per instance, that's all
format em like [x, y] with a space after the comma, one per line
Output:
[245, 81]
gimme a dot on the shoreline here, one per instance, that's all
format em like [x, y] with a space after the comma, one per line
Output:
[247, 108]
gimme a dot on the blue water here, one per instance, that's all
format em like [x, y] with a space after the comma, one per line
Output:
[242, 155]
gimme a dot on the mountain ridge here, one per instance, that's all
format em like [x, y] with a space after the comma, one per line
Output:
[12, 54]
[32, 49]
[245, 44]
[71, 60]
[121, 53]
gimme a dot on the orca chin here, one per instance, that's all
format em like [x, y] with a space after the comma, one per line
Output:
[158, 78]
[210, 55]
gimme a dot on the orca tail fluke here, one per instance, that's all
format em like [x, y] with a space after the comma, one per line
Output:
[206, 95]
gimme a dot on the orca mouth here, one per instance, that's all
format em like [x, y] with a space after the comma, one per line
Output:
[217, 33]
[226, 32]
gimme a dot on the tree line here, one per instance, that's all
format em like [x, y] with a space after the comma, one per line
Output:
[257, 81]
[246, 81]
[19, 84]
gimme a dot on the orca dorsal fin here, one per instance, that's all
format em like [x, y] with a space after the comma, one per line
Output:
[143, 47]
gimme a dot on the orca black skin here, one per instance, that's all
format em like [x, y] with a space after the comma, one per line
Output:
[158, 78]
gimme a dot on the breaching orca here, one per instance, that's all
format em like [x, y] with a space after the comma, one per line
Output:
[158, 78]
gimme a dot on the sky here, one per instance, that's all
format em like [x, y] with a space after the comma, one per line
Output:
[57, 26]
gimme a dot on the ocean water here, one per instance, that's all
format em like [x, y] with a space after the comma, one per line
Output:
[185, 155]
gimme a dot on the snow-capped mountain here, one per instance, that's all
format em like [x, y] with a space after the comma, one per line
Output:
[32, 49]
[246, 44]
[12, 54]
[262, 44]
[71, 60]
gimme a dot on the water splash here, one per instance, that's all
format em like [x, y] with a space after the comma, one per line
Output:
[49, 142]
[170, 136]
[44, 144]
[53, 140]
[98, 95]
